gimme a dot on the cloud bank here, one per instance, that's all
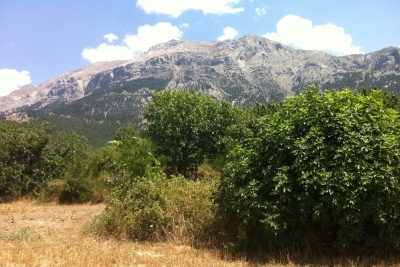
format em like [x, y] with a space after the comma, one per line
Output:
[178, 7]
[299, 32]
[132, 44]
[12, 79]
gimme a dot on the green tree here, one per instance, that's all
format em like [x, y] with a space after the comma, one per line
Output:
[187, 128]
[126, 132]
[31, 155]
[135, 155]
[22, 147]
[322, 168]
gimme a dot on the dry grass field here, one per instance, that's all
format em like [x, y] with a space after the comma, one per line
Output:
[54, 235]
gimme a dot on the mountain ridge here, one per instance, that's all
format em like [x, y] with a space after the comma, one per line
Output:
[244, 70]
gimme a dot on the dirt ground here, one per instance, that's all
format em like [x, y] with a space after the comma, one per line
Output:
[53, 235]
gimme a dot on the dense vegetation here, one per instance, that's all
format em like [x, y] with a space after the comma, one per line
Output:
[32, 155]
[317, 171]
[324, 168]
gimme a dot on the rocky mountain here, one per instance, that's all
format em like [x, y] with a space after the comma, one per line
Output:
[101, 97]
[250, 69]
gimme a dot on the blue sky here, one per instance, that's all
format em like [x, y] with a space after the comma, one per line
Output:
[40, 39]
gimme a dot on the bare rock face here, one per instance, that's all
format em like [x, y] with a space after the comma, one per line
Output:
[252, 67]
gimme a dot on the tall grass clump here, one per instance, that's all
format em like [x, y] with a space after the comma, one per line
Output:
[157, 208]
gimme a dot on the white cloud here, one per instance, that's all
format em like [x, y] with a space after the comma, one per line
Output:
[177, 7]
[111, 37]
[133, 44]
[184, 25]
[148, 36]
[300, 32]
[106, 52]
[229, 33]
[260, 12]
[11, 80]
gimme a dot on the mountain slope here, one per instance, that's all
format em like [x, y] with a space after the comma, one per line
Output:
[250, 69]
[99, 115]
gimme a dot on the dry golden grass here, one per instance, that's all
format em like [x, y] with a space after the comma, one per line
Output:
[53, 235]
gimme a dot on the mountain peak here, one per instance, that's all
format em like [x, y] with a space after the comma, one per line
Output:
[252, 37]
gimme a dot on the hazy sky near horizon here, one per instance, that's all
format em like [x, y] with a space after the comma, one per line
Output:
[45, 38]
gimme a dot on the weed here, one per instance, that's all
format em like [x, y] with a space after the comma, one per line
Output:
[24, 234]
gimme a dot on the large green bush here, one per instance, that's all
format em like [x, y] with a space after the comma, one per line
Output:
[322, 171]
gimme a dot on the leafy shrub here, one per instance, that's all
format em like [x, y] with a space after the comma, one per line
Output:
[85, 179]
[91, 177]
[155, 208]
[322, 171]
[135, 156]
[75, 191]
[51, 191]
